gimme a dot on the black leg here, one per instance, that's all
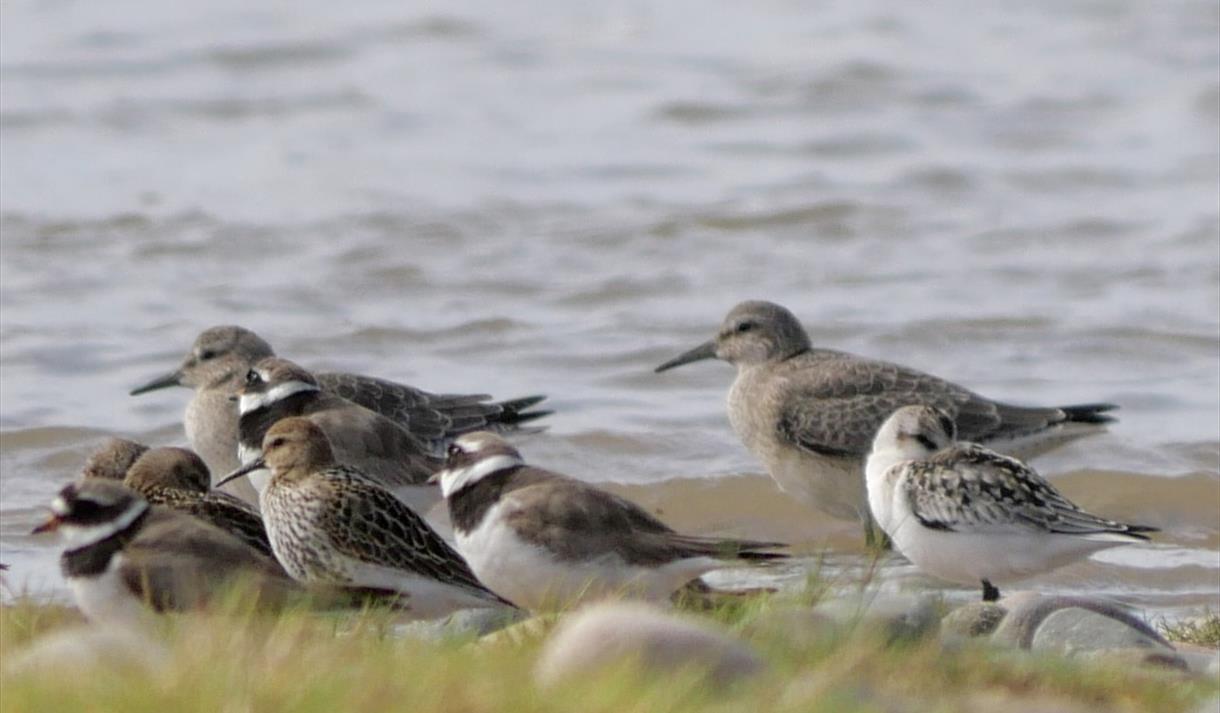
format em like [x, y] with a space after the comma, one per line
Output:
[990, 593]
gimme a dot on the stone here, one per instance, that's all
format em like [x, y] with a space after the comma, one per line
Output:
[531, 629]
[1073, 629]
[972, 620]
[901, 616]
[463, 624]
[610, 633]
[1030, 702]
[1203, 660]
[1128, 658]
[1108, 624]
[797, 627]
[82, 649]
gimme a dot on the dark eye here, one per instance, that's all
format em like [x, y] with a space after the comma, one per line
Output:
[206, 354]
[453, 451]
[276, 442]
[252, 377]
[745, 327]
[85, 509]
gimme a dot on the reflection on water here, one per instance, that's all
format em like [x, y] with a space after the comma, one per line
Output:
[1019, 198]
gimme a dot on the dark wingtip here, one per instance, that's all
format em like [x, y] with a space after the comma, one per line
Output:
[1089, 413]
[514, 412]
[1139, 531]
[755, 550]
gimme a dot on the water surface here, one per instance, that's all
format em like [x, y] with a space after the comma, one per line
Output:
[557, 197]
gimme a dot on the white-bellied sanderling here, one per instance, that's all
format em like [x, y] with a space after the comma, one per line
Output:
[967, 514]
[331, 524]
[544, 540]
[810, 414]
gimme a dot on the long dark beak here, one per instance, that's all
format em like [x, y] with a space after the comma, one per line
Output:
[247, 468]
[51, 524]
[707, 350]
[161, 382]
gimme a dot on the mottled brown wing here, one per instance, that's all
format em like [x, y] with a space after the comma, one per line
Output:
[369, 524]
[234, 516]
[577, 521]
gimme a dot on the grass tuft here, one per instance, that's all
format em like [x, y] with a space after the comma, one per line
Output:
[303, 660]
[1202, 631]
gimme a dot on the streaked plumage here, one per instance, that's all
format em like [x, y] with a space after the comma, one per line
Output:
[124, 556]
[178, 479]
[544, 540]
[332, 524]
[810, 414]
[113, 459]
[967, 514]
[217, 364]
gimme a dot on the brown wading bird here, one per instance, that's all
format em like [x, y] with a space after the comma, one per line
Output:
[378, 447]
[178, 479]
[546, 540]
[123, 556]
[331, 524]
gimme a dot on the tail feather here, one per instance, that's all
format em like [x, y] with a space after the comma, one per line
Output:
[514, 412]
[730, 549]
[1088, 413]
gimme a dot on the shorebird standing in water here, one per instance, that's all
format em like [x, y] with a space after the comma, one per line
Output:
[545, 540]
[331, 524]
[810, 414]
[967, 514]
[217, 364]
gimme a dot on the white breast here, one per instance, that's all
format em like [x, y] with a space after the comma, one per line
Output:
[532, 577]
[106, 599]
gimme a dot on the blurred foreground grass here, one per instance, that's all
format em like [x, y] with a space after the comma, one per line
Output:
[299, 660]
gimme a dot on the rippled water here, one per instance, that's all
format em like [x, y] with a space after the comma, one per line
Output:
[556, 198]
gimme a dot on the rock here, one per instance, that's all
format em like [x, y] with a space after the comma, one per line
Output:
[902, 616]
[796, 626]
[530, 629]
[1076, 629]
[1136, 656]
[609, 633]
[82, 649]
[1202, 660]
[1072, 623]
[972, 620]
[465, 623]
[1029, 702]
